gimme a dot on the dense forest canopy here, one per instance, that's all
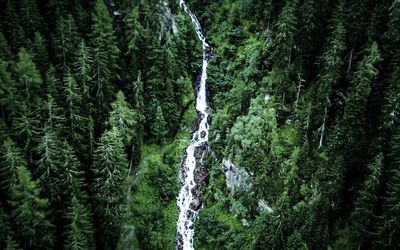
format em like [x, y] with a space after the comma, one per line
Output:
[97, 104]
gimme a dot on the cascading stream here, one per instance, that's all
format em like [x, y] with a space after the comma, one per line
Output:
[186, 200]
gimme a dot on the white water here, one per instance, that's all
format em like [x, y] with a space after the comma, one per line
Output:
[186, 200]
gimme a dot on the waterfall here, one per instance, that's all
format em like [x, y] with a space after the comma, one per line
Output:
[187, 200]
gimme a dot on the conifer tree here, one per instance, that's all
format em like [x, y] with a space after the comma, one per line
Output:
[79, 231]
[366, 202]
[53, 85]
[110, 169]
[5, 229]
[353, 121]
[29, 81]
[105, 56]
[10, 159]
[387, 231]
[76, 121]
[29, 17]
[50, 170]
[330, 74]
[74, 174]
[31, 225]
[40, 53]
[26, 127]
[11, 244]
[283, 49]
[83, 69]
[7, 91]
[53, 116]
[123, 118]
[5, 50]
[13, 30]
[65, 42]
[103, 38]
[158, 126]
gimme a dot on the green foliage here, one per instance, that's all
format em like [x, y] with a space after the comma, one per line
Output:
[110, 169]
[29, 213]
[79, 232]
[123, 118]
[11, 158]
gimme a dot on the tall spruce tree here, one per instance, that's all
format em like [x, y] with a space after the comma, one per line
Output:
[110, 169]
[79, 231]
[29, 213]
[10, 159]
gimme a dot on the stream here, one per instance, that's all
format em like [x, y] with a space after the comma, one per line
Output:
[188, 200]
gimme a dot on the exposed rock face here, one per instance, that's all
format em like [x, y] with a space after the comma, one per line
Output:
[236, 177]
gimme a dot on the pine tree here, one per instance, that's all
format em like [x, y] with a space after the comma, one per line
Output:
[283, 49]
[40, 53]
[50, 170]
[330, 74]
[110, 169]
[76, 121]
[53, 85]
[10, 159]
[52, 114]
[25, 126]
[105, 56]
[5, 229]
[74, 174]
[31, 226]
[83, 69]
[353, 121]
[12, 29]
[123, 118]
[29, 17]
[7, 91]
[5, 50]
[65, 42]
[366, 202]
[103, 38]
[29, 81]
[11, 244]
[158, 126]
[79, 231]
[387, 229]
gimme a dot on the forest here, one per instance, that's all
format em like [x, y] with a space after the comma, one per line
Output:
[99, 99]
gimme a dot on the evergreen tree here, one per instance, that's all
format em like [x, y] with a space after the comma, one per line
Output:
[330, 74]
[282, 52]
[388, 229]
[11, 244]
[353, 121]
[105, 56]
[26, 128]
[31, 225]
[29, 17]
[10, 159]
[76, 121]
[110, 169]
[13, 30]
[40, 53]
[5, 50]
[158, 126]
[7, 91]
[29, 81]
[79, 231]
[53, 116]
[123, 118]
[65, 42]
[50, 170]
[83, 68]
[5, 229]
[366, 202]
